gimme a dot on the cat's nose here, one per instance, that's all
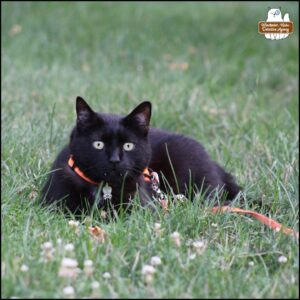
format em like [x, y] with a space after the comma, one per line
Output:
[115, 158]
[114, 161]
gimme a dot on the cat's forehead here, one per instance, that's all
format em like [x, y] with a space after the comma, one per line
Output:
[112, 126]
[110, 119]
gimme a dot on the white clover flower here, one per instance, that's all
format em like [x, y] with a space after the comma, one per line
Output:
[69, 262]
[251, 263]
[95, 285]
[214, 225]
[32, 195]
[199, 246]
[176, 238]
[106, 275]
[68, 268]
[88, 267]
[69, 247]
[73, 223]
[192, 256]
[47, 251]
[175, 234]
[148, 269]
[47, 246]
[147, 272]
[69, 292]
[180, 198]
[155, 261]
[95, 290]
[282, 259]
[103, 214]
[88, 263]
[157, 228]
[24, 268]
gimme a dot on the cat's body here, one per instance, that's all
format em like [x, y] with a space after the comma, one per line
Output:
[189, 161]
[124, 147]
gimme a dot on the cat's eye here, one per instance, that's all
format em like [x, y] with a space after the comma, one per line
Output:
[128, 146]
[98, 145]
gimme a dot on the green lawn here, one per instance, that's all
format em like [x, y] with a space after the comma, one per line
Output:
[208, 74]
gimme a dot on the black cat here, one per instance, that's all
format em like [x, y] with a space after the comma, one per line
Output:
[107, 155]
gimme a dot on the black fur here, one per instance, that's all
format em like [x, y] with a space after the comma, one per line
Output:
[165, 152]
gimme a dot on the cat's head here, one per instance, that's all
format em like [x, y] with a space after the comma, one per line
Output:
[108, 147]
[274, 14]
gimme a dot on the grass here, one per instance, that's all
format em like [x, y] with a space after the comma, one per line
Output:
[210, 75]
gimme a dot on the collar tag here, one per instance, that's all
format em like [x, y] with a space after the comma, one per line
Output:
[107, 192]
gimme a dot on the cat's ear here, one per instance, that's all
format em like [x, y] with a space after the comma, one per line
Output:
[86, 117]
[140, 117]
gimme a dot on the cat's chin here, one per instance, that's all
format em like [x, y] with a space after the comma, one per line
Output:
[114, 175]
[118, 177]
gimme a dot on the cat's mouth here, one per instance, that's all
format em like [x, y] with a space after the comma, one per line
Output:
[117, 175]
[113, 175]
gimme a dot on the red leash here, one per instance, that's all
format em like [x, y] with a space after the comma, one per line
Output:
[263, 219]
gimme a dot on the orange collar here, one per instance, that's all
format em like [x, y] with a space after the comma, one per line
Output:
[71, 163]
